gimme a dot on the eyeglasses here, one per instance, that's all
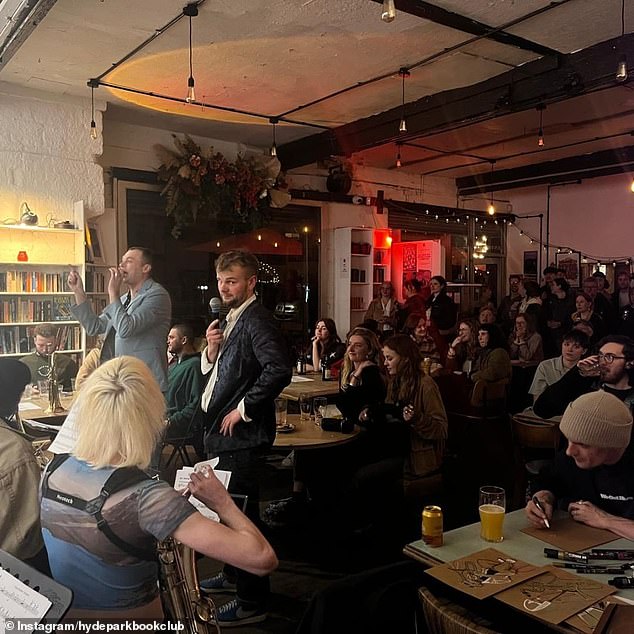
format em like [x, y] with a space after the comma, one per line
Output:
[609, 357]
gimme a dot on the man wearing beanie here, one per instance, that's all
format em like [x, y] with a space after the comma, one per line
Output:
[594, 478]
[611, 369]
[20, 531]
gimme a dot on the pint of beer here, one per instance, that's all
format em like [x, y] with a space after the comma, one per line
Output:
[492, 507]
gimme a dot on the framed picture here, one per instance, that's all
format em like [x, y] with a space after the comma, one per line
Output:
[530, 265]
[571, 264]
[94, 244]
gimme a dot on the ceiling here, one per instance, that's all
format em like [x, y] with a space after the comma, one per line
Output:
[329, 70]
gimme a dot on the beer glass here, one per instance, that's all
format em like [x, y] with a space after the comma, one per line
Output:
[281, 407]
[305, 406]
[320, 403]
[492, 506]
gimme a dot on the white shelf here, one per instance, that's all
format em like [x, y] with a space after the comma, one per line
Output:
[359, 283]
[32, 323]
[23, 354]
[17, 227]
[360, 255]
[31, 293]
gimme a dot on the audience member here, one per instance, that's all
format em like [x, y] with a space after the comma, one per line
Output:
[625, 325]
[108, 557]
[601, 305]
[39, 361]
[20, 531]
[621, 295]
[486, 315]
[559, 306]
[603, 285]
[326, 345]
[464, 348]
[609, 370]
[184, 379]
[525, 344]
[549, 274]
[493, 362]
[384, 309]
[574, 345]
[413, 301]
[134, 324]
[509, 306]
[441, 309]
[248, 366]
[430, 344]
[585, 327]
[585, 312]
[594, 478]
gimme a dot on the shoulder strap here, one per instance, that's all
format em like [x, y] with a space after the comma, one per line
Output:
[117, 481]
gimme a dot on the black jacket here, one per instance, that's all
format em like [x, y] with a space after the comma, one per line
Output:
[254, 365]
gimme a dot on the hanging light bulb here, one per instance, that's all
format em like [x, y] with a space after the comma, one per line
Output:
[388, 13]
[540, 133]
[93, 126]
[398, 155]
[273, 121]
[191, 11]
[621, 67]
[632, 186]
[491, 207]
[402, 127]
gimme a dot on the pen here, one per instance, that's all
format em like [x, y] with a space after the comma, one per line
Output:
[606, 553]
[538, 504]
[591, 570]
[553, 553]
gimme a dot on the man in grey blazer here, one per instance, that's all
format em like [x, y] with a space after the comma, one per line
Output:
[134, 324]
[248, 365]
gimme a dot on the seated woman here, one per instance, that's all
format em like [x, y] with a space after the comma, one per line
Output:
[430, 344]
[111, 567]
[525, 345]
[464, 348]
[585, 312]
[492, 363]
[326, 345]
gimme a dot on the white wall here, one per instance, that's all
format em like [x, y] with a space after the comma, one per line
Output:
[595, 217]
[47, 155]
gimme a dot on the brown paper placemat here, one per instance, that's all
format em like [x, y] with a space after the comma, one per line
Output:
[588, 620]
[484, 573]
[616, 619]
[555, 595]
[571, 536]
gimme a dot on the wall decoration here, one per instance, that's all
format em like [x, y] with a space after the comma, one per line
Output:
[571, 264]
[94, 244]
[530, 266]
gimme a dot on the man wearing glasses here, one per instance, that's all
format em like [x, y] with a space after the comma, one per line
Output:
[610, 370]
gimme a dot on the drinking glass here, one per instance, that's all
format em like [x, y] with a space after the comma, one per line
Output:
[319, 403]
[281, 406]
[42, 386]
[305, 406]
[492, 507]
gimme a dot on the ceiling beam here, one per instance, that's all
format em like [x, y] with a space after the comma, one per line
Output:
[603, 163]
[545, 80]
[459, 22]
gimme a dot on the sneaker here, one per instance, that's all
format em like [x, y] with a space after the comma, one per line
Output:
[236, 613]
[217, 583]
[289, 461]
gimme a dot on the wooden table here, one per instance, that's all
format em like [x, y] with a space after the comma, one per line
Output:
[308, 436]
[466, 540]
[310, 384]
[36, 407]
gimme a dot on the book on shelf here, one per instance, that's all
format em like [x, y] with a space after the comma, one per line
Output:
[20, 309]
[19, 339]
[16, 281]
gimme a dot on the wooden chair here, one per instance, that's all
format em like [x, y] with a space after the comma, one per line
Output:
[489, 396]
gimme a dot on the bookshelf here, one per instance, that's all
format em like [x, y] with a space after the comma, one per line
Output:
[34, 264]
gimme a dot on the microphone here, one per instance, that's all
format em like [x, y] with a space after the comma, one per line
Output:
[215, 306]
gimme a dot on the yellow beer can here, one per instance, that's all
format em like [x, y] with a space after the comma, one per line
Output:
[432, 526]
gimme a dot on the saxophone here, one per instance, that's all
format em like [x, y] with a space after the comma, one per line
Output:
[180, 593]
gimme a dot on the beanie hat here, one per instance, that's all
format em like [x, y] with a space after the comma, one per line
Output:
[598, 419]
[14, 375]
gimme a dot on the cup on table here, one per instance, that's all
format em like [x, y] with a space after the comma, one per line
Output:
[42, 386]
[319, 405]
[28, 392]
[305, 406]
[492, 508]
[72, 384]
[281, 408]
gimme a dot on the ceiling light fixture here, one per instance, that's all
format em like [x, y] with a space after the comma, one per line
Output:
[191, 11]
[404, 74]
[388, 13]
[398, 155]
[621, 67]
[632, 186]
[540, 134]
[491, 207]
[273, 121]
[92, 84]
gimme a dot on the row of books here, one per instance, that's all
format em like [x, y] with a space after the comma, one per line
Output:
[96, 281]
[19, 309]
[19, 339]
[32, 282]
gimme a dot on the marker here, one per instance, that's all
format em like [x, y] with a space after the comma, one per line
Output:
[622, 582]
[606, 553]
[599, 570]
[552, 553]
[538, 504]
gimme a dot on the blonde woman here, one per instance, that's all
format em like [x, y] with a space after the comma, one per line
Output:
[110, 568]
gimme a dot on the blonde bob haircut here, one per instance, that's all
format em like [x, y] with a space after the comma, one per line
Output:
[120, 417]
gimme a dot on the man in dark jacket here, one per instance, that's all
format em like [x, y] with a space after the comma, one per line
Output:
[248, 366]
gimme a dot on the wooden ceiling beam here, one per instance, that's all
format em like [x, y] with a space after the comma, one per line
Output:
[542, 81]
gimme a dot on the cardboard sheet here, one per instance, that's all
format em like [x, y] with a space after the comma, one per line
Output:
[566, 534]
[555, 595]
[484, 573]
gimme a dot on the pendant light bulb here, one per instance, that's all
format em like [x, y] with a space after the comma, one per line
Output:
[388, 13]
[621, 69]
[92, 84]
[491, 209]
[632, 186]
[191, 11]
[402, 126]
[540, 138]
[93, 130]
[273, 151]
[398, 157]
[404, 74]
[191, 95]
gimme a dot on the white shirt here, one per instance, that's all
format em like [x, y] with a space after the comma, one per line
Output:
[205, 366]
